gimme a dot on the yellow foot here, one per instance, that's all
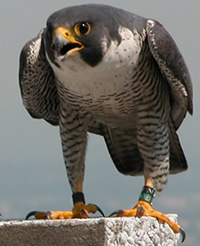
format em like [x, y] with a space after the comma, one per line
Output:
[144, 209]
[80, 210]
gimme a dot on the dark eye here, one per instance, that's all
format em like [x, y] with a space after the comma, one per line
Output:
[82, 28]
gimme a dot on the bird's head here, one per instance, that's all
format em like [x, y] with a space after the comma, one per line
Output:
[85, 30]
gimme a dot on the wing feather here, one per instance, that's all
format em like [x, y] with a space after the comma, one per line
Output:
[37, 82]
[173, 68]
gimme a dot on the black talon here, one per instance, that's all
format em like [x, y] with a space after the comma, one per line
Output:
[84, 213]
[38, 215]
[99, 210]
[139, 211]
[183, 234]
[33, 213]
[116, 212]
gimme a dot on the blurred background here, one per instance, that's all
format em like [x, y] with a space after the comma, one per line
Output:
[32, 171]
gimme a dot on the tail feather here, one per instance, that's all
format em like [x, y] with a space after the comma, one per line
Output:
[123, 151]
[127, 158]
[178, 161]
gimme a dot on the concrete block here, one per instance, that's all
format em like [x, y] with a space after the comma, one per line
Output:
[145, 231]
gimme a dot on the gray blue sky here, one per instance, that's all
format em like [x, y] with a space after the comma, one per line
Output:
[32, 172]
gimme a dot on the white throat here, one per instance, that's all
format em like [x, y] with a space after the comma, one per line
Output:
[108, 76]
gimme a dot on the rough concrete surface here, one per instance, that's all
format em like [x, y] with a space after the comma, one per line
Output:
[145, 231]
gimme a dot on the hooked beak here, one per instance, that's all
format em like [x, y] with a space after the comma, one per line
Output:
[64, 43]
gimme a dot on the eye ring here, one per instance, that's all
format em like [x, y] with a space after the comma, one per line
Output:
[82, 28]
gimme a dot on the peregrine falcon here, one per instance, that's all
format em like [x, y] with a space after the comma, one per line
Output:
[100, 69]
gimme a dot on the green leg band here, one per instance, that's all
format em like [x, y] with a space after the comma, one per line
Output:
[147, 194]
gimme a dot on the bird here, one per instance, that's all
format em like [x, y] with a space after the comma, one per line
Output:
[100, 69]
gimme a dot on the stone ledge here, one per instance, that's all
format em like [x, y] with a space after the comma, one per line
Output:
[88, 232]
